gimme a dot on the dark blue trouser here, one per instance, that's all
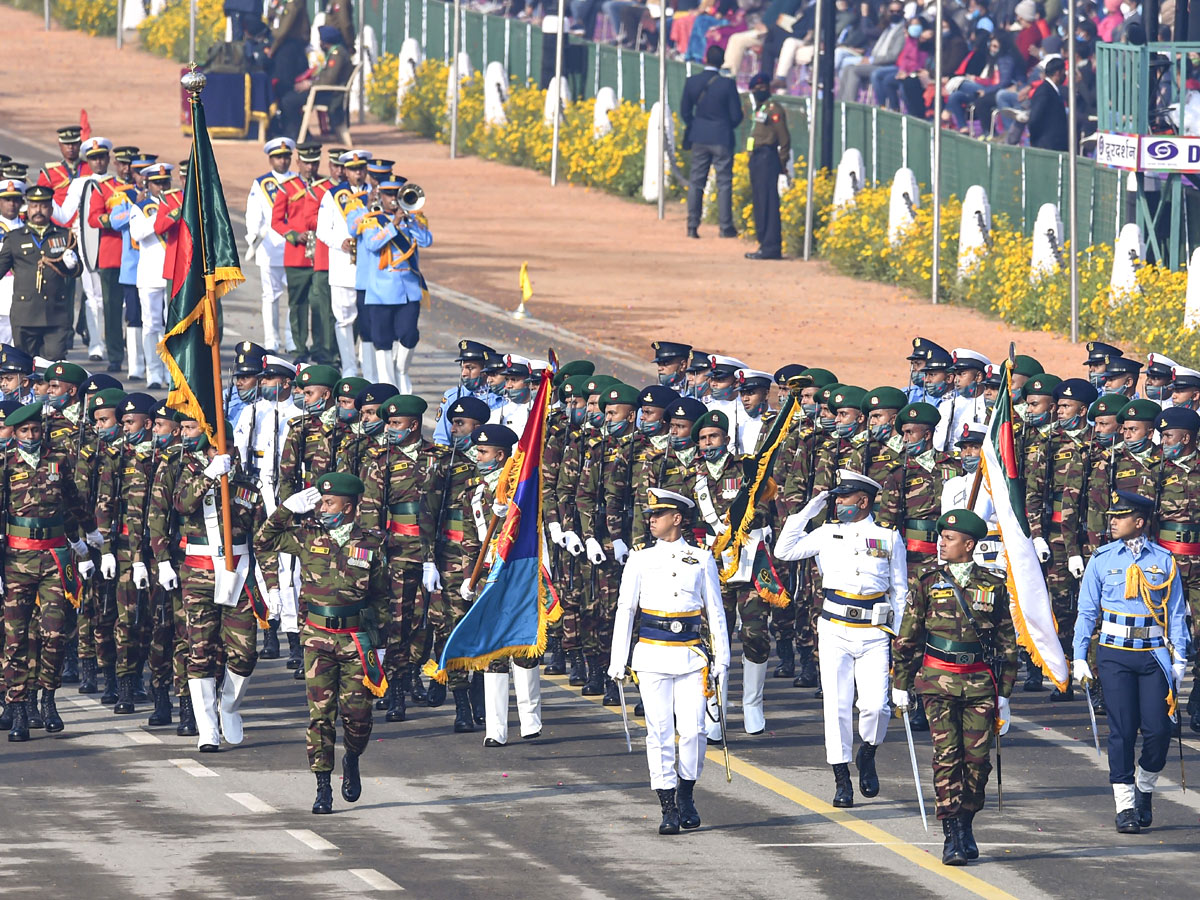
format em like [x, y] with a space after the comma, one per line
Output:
[1135, 691]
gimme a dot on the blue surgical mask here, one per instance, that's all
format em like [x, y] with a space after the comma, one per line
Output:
[249, 395]
[1172, 451]
[1158, 392]
[272, 392]
[461, 442]
[917, 377]
[725, 392]
[756, 411]
[192, 444]
[970, 464]
[575, 415]
[1018, 394]
[680, 443]
[989, 402]
[916, 448]
[30, 446]
[826, 423]
[10, 395]
[936, 389]
[881, 432]
[914, 30]
[670, 380]
[845, 513]
[346, 414]
[810, 410]
[971, 390]
[1105, 440]
[845, 430]
[138, 437]
[372, 428]
[517, 395]
[60, 401]
[712, 454]
[701, 389]
[616, 429]
[490, 465]
[396, 436]
[109, 434]
[1097, 380]
[595, 419]
[1072, 424]
[330, 521]
[162, 441]
[1037, 420]
[476, 384]
[8, 443]
[1138, 446]
[316, 407]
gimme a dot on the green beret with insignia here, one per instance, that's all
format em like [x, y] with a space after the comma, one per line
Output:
[963, 521]
[884, 398]
[822, 378]
[68, 372]
[573, 368]
[109, 398]
[340, 484]
[919, 414]
[349, 387]
[30, 412]
[714, 418]
[619, 393]
[402, 405]
[1139, 411]
[1108, 405]
[1041, 385]
[596, 384]
[825, 395]
[320, 376]
[1027, 366]
[847, 396]
[574, 386]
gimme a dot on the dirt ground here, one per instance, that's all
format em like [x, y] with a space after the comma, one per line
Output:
[601, 266]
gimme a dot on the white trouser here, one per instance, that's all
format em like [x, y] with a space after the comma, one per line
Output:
[794, 52]
[754, 678]
[273, 282]
[403, 356]
[232, 691]
[152, 332]
[5, 329]
[714, 719]
[673, 703]
[134, 356]
[93, 305]
[859, 660]
[529, 702]
[289, 600]
[345, 312]
[204, 706]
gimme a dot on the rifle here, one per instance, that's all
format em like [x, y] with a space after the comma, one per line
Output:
[5, 490]
[1048, 488]
[1081, 530]
[600, 517]
[110, 585]
[447, 485]
[144, 543]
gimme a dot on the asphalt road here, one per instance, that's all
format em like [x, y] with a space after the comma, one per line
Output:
[113, 808]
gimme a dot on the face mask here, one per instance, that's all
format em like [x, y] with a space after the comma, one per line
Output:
[476, 384]
[10, 395]
[397, 435]
[700, 389]
[810, 410]
[249, 395]
[989, 402]
[827, 423]
[680, 443]
[109, 434]
[761, 96]
[970, 464]
[595, 419]
[845, 431]
[138, 437]
[917, 377]
[1072, 424]
[162, 441]
[914, 31]
[881, 432]
[462, 442]
[756, 411]
[484, 467]
[346, 415]
[845, 514]
[575, 415]
[669, 380]
[937, 389]
[1097, 380]
[316, 407]
[652, 427]
[58, 402]
[330, 521]
[192, 444]
[272, 392]
[1174, 451]
[1157, 392]
[370, 429]
[970, 391]
[712, 454]
[724, 393]
[30, 446]
[1105, 440]
[897, 18]
[1138, 446]
[1037, 420]
[616, 429]
[517, 395]
[916, 448]
[1018, 394]
[8, 442]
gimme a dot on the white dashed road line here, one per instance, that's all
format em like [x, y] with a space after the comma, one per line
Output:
[194, 768]
[251, 803]
[376, 880]
[311, 839]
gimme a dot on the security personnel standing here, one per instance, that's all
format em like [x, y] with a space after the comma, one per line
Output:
[956, 647]
[42, 258]
[675, 588]
[770, 146]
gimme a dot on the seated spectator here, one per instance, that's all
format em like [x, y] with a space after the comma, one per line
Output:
[583, 17]
[909, 65]
[1107, 28]
[681, 24]
[712, 15]
[1002, 69]
[789, 42]
[884, 53]
[1029, 35]
[853, 41]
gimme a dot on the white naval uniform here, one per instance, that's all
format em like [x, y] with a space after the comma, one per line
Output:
[332, 232]
[268, 256]
[956, 411]
[512, 415]
[92, 293]
[989, 553]
[852, 656]
[152, 287]
[672, 578]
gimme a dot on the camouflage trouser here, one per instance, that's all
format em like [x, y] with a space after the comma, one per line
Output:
[33, 590]
[599, 607]
[961, 730]
[569, 584]
[97, 639]
[168, 641]
[216, 635]
[446, 608]
[405, 637]
[1064, 593]
[132, 616]
[744, 599]
[1189, 573]
[333, 673]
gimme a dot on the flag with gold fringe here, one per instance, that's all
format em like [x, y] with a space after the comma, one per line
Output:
[518, 601]
[766, 579]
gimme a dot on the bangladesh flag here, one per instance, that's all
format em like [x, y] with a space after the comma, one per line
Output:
[206, 268]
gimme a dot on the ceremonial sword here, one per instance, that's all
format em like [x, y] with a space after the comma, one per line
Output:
[724, 736]
[1092, 716]
[912, 755]
[624, 714]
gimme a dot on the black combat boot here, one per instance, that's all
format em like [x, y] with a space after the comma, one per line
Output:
[109, 697]
[478, 707]
[162, 707]
[295, 653]
[462, 711]
[139, 683]
[323, 805]
[688, 816]
[124, 704]
[20, 722]
[1033, 676]
[351, 782]
[556, 663]
[808, 676]
[578, 676]
[187, 717]
[868, 778]
[270, 648]
[843, 796]
[670, 820]
[968, 836]
[396, 707]
[298, 672]
[953, 853]
[640, 709]
[1143, 802]
[612, 697]
[70, 672]
[54, 722]
[1127, 819]
[419, 695]
[1057, 696]
[87, 677]
[917, 719]
[787, 659]
[594, 686]
[33, 710]
[6, 717]
[436, 693]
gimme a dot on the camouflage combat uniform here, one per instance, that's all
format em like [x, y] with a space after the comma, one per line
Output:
[447, 606]
[307, 453]
[921, 502]
[94, 473]
[570, 582]
[1177, 525]
[168, 644]
[134, 475]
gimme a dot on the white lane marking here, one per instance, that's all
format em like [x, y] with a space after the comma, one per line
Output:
[310, 839]
[193, 768]
[83, 700]
[251, 802]
[376, 880]
[142, 737]
[883, 844]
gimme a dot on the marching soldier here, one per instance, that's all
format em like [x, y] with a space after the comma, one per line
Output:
[16, 375]
[342, 563]
[754, 389]
[675, 589]
[513, 413]
[1121, 377]
[723, 395]
[346, 415]
[473, 383]
[357, 452]
[929, 372]
[881, 454]
[1089, 473]
[966, 402]
[770, 146]
[57, 176]
[1099, 354]
[650, 455]
[110, 190]
[12, 197]
[265, 245]
[1159, 375]
[347, 195]
[846, 436]
[1185, 388]
[294, 217]
[146, 229]
[243, 388]
[957, 649]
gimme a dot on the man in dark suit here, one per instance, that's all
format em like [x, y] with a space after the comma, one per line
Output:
[1047, 114]
[711, 110]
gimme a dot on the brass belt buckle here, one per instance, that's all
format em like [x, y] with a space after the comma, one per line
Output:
[1139, 633]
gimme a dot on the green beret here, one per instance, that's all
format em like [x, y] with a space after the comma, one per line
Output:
[165, 412]
[321, 376]
[620, 393]
[821, 377]
[109, 398]
[1139, 411]
[340, 484]
[1026, 365]
[1041, 385]
[964, 521]
[847, 396]
[919, 414]
[68, 372]
[884, 398]
[349, 387]
[573, 368]
[1108, 405]
[574, 386]
[714, 418]
[402, 405]
[595, 384]
[30, 412]
[824, 395]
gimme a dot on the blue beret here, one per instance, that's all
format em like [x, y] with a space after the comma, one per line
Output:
[1076, 389]
[469, 408]
[1178, 417]
[329, 34]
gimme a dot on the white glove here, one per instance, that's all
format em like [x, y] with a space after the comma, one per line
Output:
[167, 578]
[430, 579]
[572, 543]
[141, 576]
[617, 672]
[85, 569]
[620, 551]
[274, 603]
[720, 528]
[899, 698]
[1178, 670]
[720, 673]
[95, 539]
[1003, 715]
[303, 502]
[465, 591]
[1042, 549]
[814, 506]
[1, 584]
[1075, 566]
[499, 510]
[556, 533]
[80, 549]
[595, 552]
[108, 566]
[219, 465]
[1081, 670]
[70, 258]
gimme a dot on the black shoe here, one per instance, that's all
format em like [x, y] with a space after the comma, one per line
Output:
[87, 676]
[968, 836]
[124, 704]
[808, 676]
[917, 719]
[351, 782]
[323, 805]
[298, 674]
[578, 676]
[492, 743]
[843, 797]
[33, 710]
[729, 232]
[419, 694]
[187, 717]
[396, 707]
[1142, 802]
[868, 778]
[787, 659]
[475, 692]
[154, 386]
[819, 693]
[611, 696]
[759, 254]
[109, 697]
[162, 707]
[295, 652]
[953, 853]
[54, 722]
[270, 648]
[1127, 819]
[6, 717]
[693, 232]
[531, 737]
[555, 662]
[688, 816]
[1194, 721]
[436, 693]
[139, 684]
[1058, 696]
[382, 703]
[594, 686]
[640, 709]
[462, 711]
[670, 819]
[70, 672]
[210, 748]
[1034, 680]
[20, 722]
[113, 367]
[1193, 707]
[1097, 694]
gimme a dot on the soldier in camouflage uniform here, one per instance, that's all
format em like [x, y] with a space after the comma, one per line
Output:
[881, 454]
[346, 415]
[958, 651]
[343, 570]
[650, 457]
[366, 440]
[1091, 475]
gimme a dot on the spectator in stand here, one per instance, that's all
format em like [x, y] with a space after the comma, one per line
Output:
[712, 15]
[1131, 16]
[789, 42]
[1030, 35]
[686, 12]
[711, 109]
[853, 42]
[1112, 20]
[885, 52]
[1002, 69]
[583, 16]
[1047, 110]
[911, 61]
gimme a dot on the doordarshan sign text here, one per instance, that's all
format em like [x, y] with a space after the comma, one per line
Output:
[1148, 153]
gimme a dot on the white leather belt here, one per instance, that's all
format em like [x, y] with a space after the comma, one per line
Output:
[1132, 632]
[857, 613]
[209, 550]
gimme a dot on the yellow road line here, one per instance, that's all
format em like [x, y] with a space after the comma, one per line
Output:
[850, 822]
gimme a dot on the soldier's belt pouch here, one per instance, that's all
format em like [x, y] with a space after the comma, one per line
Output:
[676, 629]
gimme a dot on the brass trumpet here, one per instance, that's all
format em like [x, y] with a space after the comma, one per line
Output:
[412, 198]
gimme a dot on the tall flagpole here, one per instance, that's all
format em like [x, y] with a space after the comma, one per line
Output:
[558, 59]
[454, 78]
[812, 129]
[1072, 160]
[662, 107]
[936, 168]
